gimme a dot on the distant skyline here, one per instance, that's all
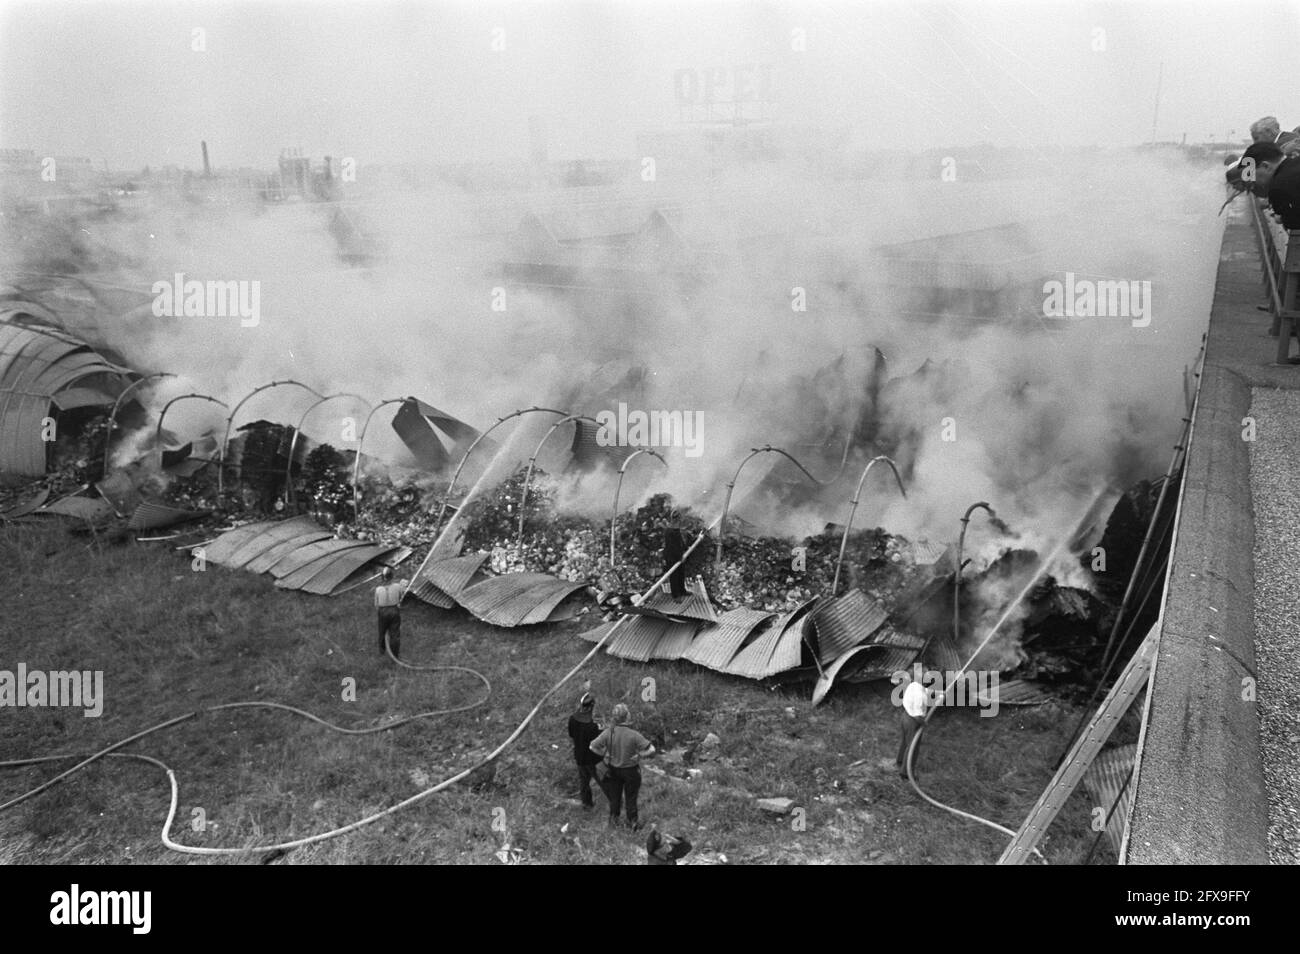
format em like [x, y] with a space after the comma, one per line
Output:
[134, 84]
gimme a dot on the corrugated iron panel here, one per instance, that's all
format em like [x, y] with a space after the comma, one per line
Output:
[1018, 692]
[441, 581]
[752, 661]
[515, 598]
[924, 553]
[340, 566]
[29, 505]
[694, 605]
[118, 489]
[637, 638]
[827, 679]
[221, 549]
[943, 655]
[1103, 782]
[714, 646]
[255, 546]
[367, 572]
[310, 553]
[269, 558]
[83, 508]
[842, 623]
[597, 634]
[36, 364]
[150, 516]
[879, 662]
[71, 398]
[676, 640]
[789, 649]
[307, 570]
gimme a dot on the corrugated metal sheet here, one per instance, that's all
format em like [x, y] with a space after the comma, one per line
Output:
[221, 549]
[367, 572]
[637, 638]
[255, 546]
[83, 508]
[269, 558]
[36, 364]
[338, 567]
[752, 661]
[924, 553]
[878, 662]
[943, 655]
[715, 645]
[1103, 782]
[72, 398]
[676, 640]
[694, 605]
[516, 598]
[29, 505]
[1018, 692]
[305, 555]
[306, 571]
[119, 490]
[597, 634]
[789, 650]
[842, 623]
[151, 516]
[441, 581]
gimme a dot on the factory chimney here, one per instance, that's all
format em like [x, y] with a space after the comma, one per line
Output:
[207, 169]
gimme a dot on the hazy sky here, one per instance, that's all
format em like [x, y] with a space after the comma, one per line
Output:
[383, 82]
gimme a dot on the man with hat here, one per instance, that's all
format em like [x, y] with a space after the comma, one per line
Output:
[583, 731]
[623, 748]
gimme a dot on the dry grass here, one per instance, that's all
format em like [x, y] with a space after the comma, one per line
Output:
[171, 640]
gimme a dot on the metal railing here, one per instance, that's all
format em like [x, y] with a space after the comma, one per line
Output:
[1281, 278]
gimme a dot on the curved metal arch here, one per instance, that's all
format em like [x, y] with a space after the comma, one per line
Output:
[356, 461]
[225, 437]
[117, 405]
[456, 476]
[848, 525]
[157, 433]
[956, 577]
[613, 517]
[765, 449]
[523, 492]
[293, 441]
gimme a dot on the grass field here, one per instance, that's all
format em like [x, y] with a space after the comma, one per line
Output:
[170, 640]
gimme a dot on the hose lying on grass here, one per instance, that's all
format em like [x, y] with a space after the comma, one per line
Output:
[360, 823]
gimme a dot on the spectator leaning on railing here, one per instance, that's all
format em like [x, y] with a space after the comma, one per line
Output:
[1270, 174]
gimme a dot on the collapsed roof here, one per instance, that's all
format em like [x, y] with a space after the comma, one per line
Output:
[45, 371]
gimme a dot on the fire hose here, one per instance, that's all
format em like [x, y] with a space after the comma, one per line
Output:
[360, 823]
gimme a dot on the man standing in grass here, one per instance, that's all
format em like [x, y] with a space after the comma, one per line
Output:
[622, 748]
[388, 601]
[912, 713]
[583, 731]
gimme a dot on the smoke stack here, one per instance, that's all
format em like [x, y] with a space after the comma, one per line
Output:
[207, 169]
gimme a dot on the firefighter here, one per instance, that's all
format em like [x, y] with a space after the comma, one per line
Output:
[388, 603]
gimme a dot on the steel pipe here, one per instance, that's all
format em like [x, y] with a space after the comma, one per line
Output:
[528, 476]
[848, 525]
[726, 506]
[613, 520]
[157, 433]
[225, 437]
[356, 461]
[293, 441]
[117, 404]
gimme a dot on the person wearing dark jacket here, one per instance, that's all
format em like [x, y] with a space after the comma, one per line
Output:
[1276, 177]
[583, 731]
[663, 849]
